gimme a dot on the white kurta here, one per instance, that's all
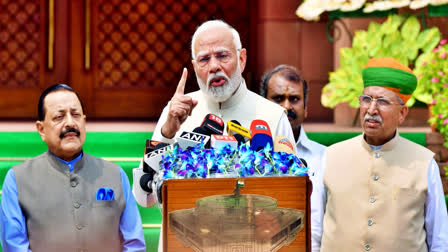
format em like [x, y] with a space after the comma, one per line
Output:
[244, 106]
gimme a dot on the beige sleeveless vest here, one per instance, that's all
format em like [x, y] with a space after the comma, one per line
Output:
[375, 199]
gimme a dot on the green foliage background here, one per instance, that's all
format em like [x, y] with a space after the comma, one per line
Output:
[399, 37]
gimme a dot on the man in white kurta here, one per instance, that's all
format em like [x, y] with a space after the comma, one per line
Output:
[218, 61]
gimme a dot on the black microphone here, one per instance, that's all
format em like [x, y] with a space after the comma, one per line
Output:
[213, 124]
[303, 162]
[145, 182]
[241, 140]
[151, 164]
[203, 131]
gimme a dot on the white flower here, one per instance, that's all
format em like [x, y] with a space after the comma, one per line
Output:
[438, 2]
[352, 5]
[417, 4]
[399, 3]
[385, 5]
[310, 10]
[332, 5]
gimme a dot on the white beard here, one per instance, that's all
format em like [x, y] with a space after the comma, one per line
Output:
[224, 92]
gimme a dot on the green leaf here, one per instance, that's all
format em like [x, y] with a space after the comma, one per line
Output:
[393, 42]
[391, 24]
[410, 29]
[360, 41]
[410, 50]
[374, 38]
[428, 39]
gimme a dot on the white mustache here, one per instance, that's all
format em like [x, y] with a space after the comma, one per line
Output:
[215, 75]
[373, 117]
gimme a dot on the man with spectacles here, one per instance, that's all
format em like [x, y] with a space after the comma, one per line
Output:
[379, 191]
[218, 60]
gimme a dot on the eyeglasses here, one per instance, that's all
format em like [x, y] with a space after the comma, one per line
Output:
[222, 57]
[381, 103]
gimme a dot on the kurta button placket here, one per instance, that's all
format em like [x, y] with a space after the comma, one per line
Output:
[370, 222]
[367, 247]
[372, 199]
[375, 177]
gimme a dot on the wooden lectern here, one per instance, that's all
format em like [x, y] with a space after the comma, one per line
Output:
[290, 192]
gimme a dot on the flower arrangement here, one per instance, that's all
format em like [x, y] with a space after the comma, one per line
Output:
[432, 73]
[199, 162]
[311, 9]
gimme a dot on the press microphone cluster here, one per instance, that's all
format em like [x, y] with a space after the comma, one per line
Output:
[210, 133]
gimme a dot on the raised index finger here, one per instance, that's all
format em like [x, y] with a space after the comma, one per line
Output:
[181, 86]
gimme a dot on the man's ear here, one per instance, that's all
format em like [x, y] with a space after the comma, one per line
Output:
[404, 110]
[242, 59]
[40, 129]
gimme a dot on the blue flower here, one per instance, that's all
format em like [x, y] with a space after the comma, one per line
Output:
[198, 162]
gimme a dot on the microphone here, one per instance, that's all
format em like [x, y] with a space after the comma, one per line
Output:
[260, 135]
[145, 182]
[151, 145]
[304, 163]
[153, 158]
[217, 141]
[234, 128]
[283, 144]
[189, 139]
[213, 124]
[151, 164]
[240, 139]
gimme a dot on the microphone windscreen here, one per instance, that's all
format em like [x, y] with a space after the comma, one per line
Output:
[303, 162]
[241, 140]
[234, 128]
[145, 182]
[160, 145]
[260, 126]
[218, 141]
[151, 145]
[283, 144]
[201, 130]
[213, 123]
[236, 122]
[260, 135]
[189, 139]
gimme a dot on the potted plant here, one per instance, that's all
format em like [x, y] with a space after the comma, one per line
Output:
[432, 73]
[399, 37]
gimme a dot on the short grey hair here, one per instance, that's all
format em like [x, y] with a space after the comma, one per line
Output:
[215, 24]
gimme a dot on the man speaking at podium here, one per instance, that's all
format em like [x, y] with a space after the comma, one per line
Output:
[379, 191]
[218, 60]
[65, 199]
